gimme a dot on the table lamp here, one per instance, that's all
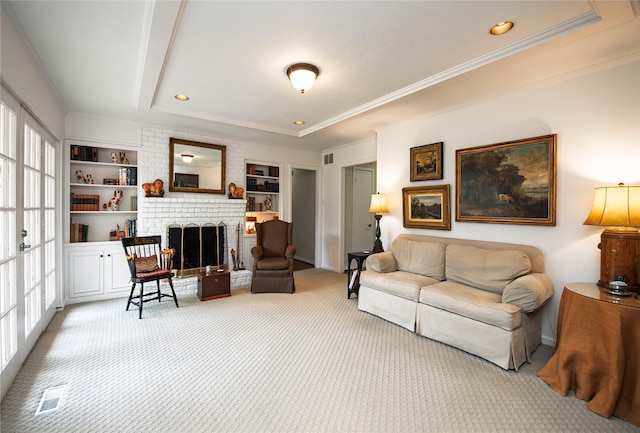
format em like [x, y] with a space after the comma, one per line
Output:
[618, 209]
[378, 206]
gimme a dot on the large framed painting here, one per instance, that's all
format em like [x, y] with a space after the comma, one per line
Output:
[510, 183]
[426, 162]
[426, 207]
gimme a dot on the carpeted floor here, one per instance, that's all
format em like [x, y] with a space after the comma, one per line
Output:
[305, 362]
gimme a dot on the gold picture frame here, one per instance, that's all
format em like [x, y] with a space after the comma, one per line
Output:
[426, 207]
[426, 162]
[508, 183]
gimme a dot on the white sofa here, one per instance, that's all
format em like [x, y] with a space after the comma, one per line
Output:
[482, 297]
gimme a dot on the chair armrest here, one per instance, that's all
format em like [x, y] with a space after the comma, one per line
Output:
[528, 292]
[256, 251]
[382, 262]
[131, 261]
[166, 259]
[290, 252]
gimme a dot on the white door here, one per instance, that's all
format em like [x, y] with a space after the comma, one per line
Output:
[363, 228]
[28, 294]
[363, 222]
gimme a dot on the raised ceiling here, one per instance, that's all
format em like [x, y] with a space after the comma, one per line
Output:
[380, 62]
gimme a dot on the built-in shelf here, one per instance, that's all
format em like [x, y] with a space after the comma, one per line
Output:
[95, 181]
[262, 188]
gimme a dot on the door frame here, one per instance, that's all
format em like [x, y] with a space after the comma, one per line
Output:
[342, 253]
[318, 204]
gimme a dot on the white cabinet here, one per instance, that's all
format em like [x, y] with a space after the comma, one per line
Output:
[96, 270]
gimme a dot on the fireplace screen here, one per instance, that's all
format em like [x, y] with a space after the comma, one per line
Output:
[197, 246]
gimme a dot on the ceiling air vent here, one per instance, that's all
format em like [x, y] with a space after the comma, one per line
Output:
[328, 159]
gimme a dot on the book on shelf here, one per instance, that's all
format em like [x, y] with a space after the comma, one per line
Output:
[79, 232]
[128, 176]
[84, 153]
[130, 228]
[252, 184]
[132, 176]
[85, 202]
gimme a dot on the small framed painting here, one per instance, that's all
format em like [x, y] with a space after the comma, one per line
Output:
[426, 207]
[426, 162]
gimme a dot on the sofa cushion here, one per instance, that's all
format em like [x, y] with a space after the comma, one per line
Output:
[473, 303]
[403, 284]
[528, 292]
[382, 262]
[422, 258]
[485, 269]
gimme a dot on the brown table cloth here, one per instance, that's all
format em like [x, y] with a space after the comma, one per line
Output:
[597, 355]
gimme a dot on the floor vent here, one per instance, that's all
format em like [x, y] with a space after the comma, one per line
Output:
[51, 399]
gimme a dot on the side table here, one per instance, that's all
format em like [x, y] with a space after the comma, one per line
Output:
[598, 351]
[214, 285]
[353, 276]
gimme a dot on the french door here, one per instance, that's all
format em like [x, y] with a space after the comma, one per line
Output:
[28, 289]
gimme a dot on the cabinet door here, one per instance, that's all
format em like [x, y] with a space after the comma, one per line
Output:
[86, 272]
[116, 271]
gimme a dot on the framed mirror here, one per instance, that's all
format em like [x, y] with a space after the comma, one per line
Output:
[196, 167]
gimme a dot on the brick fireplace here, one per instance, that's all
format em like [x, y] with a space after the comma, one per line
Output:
[156, 214]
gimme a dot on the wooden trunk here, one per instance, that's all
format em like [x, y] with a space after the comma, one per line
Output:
[214, 285]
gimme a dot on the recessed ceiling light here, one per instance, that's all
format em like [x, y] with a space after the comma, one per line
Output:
[501, 28]
[181, 97]
[298, 122]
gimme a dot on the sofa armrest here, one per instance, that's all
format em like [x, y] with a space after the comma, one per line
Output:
[382, 262]
[528, 292]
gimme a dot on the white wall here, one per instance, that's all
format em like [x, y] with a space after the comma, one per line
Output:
[333, 197]
[23, 75]
[597, 119]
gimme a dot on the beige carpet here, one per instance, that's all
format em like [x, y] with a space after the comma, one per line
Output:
[306, 362]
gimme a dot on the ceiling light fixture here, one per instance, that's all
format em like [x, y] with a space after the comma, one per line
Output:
[501, 28]
[302, 76]
[181, 97]
[298, 122]
[186, 158]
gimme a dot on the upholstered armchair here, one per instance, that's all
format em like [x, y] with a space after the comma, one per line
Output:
[273, 258]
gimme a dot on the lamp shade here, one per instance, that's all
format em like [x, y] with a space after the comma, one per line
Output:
[378, 203]
[302, 76]
[617, 206]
